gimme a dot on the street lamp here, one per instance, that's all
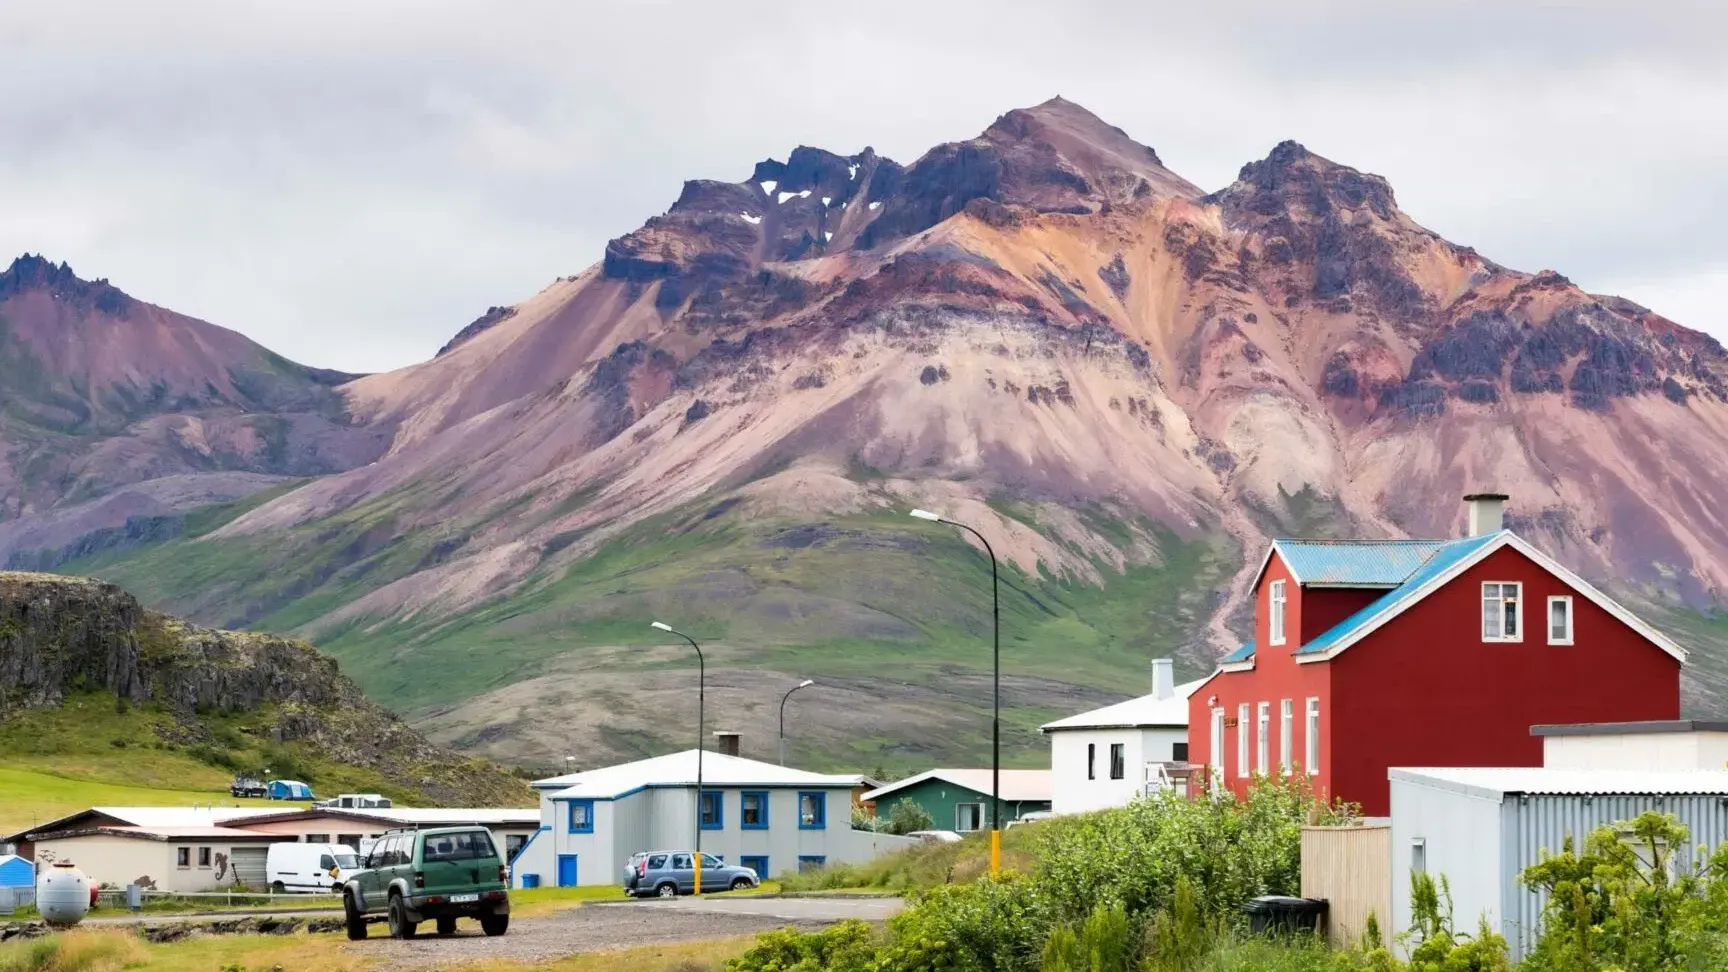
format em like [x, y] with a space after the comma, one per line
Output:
[996, 691]
[804, 684]
[701, 703]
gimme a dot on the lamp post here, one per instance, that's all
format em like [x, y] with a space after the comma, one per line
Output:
[701, 703]
[804, 684]
[996, 691]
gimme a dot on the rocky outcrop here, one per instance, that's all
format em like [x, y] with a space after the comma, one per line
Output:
[64, 635]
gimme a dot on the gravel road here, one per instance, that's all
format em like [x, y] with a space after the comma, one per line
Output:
[595, 928]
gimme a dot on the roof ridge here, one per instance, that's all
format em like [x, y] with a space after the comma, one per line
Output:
[1334, 541]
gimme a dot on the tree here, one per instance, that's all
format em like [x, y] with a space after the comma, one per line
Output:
[905, 817]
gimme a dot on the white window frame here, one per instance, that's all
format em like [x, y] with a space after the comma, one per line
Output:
[1571, 620]
[1217, 753]
[1312, 742]
[1286, 735]
[1244, 723]
[1275, 623]
[1263, 740]
[977, 813]
[1500, 615]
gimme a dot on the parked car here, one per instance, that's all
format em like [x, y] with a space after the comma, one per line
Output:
[1032, 817]
[438, 875]
[667, 874]
[247, 786]
[936, 836]
[307, 868]
[632, 870]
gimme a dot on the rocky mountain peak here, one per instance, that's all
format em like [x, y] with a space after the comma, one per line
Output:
[32, 272]
[1293, 181]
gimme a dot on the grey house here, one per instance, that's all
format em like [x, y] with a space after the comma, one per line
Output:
[770, 818]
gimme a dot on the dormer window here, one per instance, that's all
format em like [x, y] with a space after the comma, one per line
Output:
[1502, 610]
[1275, 633]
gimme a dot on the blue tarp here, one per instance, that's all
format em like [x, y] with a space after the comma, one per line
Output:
[289, 790]
[16, 872]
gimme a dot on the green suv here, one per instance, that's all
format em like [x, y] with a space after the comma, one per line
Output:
[440, 875]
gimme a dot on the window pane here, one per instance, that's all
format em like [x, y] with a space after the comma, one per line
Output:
[1510, 607]
[1559, 620]
[1491, 611]
[1242, 740]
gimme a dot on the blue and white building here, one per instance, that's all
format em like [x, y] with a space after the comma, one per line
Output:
[758, 815]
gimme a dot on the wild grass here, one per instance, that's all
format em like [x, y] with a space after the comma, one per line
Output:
[928, 865]
[77, 951]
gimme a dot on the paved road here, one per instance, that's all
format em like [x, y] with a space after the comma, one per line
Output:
[836, 908]
[597, 927]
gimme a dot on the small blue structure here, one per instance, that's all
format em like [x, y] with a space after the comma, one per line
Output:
[16, 872]
[289, 790]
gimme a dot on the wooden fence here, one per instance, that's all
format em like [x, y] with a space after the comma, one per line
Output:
[1351, 867]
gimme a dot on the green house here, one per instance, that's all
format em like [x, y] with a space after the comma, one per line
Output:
[959, 799]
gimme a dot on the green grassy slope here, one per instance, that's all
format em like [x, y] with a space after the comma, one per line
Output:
[854, 596]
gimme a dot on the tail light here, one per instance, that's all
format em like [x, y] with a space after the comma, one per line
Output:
[642, 867]
[419, 879]
[503, 874]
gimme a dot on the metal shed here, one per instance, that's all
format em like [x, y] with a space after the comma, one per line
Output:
[1481, 827]
[16, 872]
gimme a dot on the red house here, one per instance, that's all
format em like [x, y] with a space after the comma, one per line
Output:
[1369, 654]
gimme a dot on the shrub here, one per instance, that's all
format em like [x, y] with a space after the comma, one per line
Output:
[1104, 942]
[846, 947]
[906, 817]
[986, 926]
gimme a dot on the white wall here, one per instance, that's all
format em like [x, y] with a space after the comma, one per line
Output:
[1462, 836]
[1652, 750]
[1072, 792]
[119, 861]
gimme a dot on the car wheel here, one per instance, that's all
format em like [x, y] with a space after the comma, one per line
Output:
[739, 884]
[400, 926]
[494, 925]
[353, 919]
[277, 887]
[446, 926]
[667, 890]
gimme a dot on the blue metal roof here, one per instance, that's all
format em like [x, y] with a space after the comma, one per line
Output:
[1242, 654]
[1384, 563]
[1447, 556]
[1403, 565]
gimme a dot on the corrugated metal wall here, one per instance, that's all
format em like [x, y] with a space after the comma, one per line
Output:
[1351, 867]
[1538, 824]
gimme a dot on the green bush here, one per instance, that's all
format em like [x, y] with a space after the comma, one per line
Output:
[1104, 942]
[906, 817]
[990, 925]
[846, 947]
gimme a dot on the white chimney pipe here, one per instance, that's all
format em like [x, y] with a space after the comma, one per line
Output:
[1487, 512]
[1163, 678]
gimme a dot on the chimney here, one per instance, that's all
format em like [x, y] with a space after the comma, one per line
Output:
[1486, 512]
[726, 743]
[1163, 678]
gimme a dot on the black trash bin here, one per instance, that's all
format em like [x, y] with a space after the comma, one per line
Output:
[1282, 915]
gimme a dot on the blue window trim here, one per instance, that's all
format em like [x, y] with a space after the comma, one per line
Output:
[746, 860]
[719, 809]
[821, 822]
[570, 817]
[762, 823]
[820, 860]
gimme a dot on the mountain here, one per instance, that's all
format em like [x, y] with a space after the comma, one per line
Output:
[113, 409]
[100, 689]
[1127, 383]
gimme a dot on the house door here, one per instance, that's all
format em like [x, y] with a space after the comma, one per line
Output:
[566, 870]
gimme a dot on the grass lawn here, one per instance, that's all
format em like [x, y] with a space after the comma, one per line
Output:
[33, 797]
[111, 950]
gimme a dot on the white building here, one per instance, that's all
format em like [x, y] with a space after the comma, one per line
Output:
[1481, 827]
[1683, 744]
[1109, 756]
[758, 815]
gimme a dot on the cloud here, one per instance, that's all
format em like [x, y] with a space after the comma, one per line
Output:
[350, 183]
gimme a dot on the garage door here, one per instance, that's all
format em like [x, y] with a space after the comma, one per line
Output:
[248, 865]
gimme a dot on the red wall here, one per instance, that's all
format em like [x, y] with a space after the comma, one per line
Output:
[1275, 677]
[1425, 690]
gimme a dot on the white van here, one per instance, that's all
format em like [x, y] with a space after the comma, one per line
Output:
[305, 868]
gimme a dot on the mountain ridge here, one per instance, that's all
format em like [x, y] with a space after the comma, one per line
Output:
[1127, 383]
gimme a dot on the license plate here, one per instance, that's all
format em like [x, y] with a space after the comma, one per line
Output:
[463, 898]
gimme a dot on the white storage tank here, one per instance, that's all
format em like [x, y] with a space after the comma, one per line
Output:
[63, 895]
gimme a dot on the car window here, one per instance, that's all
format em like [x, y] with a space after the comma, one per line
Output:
[326, 862]
[681, 861]
[396, 852]
[709, 860]
[657, 861]
[347, 862]
[466, 846]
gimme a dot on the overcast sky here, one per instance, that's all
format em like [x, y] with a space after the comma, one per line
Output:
[351, 182]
